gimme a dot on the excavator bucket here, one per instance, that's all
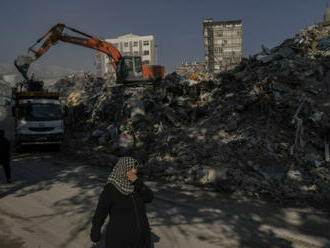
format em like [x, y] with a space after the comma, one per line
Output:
[22, 63]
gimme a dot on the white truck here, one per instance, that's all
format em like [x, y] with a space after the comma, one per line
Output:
[38, 118]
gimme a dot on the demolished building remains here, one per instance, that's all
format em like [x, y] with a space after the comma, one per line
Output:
[259, 130]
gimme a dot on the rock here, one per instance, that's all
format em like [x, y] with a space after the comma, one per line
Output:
[294, 175]
[211, 175]
[102, 140]
[266, 59]
[126, 141]
[97, 133]
[189, 179]
[135, 107]
[269, 169]
[285, 52]
[170, 171]
[112, 131]
[231, 126]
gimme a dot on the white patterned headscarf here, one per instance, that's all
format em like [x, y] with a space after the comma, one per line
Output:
[118, 176]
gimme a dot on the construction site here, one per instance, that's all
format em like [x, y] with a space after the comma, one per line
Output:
[253, 128]
[260, 130]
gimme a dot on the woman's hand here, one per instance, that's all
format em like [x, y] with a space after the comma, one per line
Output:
[95, 244]
[132, 175]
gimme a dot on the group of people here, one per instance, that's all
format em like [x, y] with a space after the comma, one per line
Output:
[123, 199]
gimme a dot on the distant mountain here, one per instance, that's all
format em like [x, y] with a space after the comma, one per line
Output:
[40, 71]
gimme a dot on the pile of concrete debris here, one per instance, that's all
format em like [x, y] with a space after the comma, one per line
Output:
[260, 130]
[194, 71]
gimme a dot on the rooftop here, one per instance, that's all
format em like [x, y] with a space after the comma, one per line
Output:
[211, 22]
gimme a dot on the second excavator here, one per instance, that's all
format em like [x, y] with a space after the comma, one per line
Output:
[128, 68]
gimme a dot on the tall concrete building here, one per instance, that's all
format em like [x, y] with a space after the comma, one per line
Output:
[326, 16]
[325, 24]
[128, 45]
[222, 44]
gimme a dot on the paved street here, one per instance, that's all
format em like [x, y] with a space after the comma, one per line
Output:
[52, 200]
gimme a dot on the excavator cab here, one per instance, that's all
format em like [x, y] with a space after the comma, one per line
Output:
[130, 69]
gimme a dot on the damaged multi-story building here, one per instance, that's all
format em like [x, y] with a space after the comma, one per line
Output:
[222, 44]
[128, 45]
[326, 18]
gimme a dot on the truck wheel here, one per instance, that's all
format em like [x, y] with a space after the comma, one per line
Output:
[58, 148]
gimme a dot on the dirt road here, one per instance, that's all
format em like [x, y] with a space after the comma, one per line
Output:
[52, 200]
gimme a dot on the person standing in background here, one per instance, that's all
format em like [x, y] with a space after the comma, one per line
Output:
[5, 155]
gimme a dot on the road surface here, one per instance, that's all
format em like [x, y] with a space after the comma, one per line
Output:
[52, 200]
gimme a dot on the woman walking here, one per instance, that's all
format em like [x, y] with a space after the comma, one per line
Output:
[123, 199]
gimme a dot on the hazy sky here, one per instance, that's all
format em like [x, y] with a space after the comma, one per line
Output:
[176, 25]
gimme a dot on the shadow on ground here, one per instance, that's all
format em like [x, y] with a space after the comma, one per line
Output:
[212, 217]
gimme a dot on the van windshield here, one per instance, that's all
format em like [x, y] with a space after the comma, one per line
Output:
[40, 112]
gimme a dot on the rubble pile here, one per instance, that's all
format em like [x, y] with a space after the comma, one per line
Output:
[258, 130]
[194, 71]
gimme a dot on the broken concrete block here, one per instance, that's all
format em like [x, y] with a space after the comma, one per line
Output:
[126, 141]
[285, 52]
[102, 140]
[231, 126]
[97, 133]
[211, 175]
[266, 59]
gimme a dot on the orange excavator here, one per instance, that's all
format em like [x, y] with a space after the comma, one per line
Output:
[127, 68]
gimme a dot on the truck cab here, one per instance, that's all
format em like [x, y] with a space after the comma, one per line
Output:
[38, 118]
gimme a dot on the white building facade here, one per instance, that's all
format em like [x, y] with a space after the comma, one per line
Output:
[128, 45]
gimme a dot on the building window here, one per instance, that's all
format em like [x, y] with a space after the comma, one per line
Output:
[136, 52]
[126, 44]
[146, 43]
[135, 43]
[218, 42]
[218, 50]
[138, 64]
[146, 52]
[236, 49]
[236, 41]
[219, 33]
[146, 62]
[228, 49]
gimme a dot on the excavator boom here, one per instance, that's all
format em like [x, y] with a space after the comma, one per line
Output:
[56, 33]
[124, 67]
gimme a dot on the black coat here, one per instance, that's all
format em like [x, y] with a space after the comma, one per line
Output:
[128, 226]
[4, 150]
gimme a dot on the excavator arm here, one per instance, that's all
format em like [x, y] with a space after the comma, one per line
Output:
[128, 68]
[56, 34]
